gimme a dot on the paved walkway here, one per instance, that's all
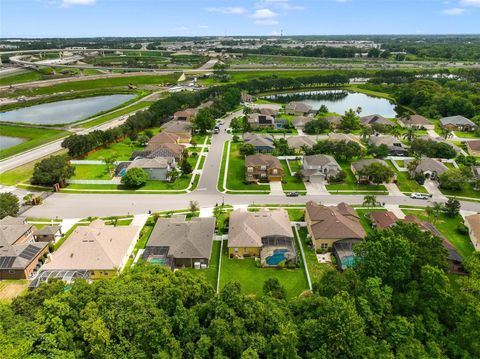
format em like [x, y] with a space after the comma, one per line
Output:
[393, 189]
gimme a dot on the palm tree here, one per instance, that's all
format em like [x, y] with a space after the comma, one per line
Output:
[412, 165]
[395, 132]
[446, 133]
[369, 200]
[410, 134]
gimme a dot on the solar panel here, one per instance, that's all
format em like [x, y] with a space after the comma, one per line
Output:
[29, 252]
[6, 262]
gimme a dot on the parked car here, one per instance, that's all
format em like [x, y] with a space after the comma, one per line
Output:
[216, 129]
[416, 195]
[292, 194]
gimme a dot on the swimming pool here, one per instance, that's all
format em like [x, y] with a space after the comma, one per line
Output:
[348, 262]
[157, 260]
[277, 257]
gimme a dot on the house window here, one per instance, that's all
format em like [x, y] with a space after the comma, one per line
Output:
[263, 168]
[235, 250]
[250, 169]
[275, 171]
[324, 245]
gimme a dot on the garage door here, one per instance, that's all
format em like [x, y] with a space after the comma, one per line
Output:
[316, 179]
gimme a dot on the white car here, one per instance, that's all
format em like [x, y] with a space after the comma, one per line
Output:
[420, 195]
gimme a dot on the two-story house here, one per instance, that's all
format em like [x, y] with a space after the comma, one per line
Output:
[263, 167]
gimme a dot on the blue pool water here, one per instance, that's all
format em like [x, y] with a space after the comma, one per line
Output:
[157, 260]
[348, 262]
[278, 256]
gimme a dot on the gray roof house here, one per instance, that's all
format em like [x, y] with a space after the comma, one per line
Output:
[175, 242]
[335, 121]
[394, 145]
[48, 234]
[416, 121]
[458, 123]
[301, 121]
[262, 143]
[257, 120]
[430, 167]
[297, 108]
[375, 119]
[297, 142]
[317, 168]
[157, 168]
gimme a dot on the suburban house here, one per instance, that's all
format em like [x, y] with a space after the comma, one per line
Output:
[334, 121]
[157, 168]
[299, 122]
[429, 167]
[185, 115]
[50, 234]
[458, 123]
[473, 147]
[318, 168]
[267, 111]
[416, 121]
[162, 138]
[98, 249]
[375, 119]
[383, 219]
[176, 242]
[299, 142]
[182, 129]
[356, 167]
[161, 150]
[246, 98]
[19, 254]
[262, 143]
[395, 146]
[327, 225]
[333, 136]
[262, 167]
[257, 120]
[297, 108]
[265, 234]
[473, 224]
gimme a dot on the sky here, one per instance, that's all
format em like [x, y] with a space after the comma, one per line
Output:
[96, 18]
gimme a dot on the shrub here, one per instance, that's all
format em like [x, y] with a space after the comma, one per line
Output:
[135, 177]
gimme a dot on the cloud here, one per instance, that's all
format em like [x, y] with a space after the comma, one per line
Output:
[227, 10]
[203, 26]
[68, 3]
[470, 2]
[264, 14]
[454, 11]
[280, 4]
[266, 22]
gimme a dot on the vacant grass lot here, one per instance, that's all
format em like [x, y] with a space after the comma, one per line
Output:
[34, 137]
[91, 172]
[123, 150]
[350, 182]
[251, 278]
[449, 228]
[24, 76]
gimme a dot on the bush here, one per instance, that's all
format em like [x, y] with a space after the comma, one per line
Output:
[9, 205]
[135, 177]
[462, 229]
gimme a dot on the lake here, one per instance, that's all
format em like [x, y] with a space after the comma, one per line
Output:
[64, 112]
[340, 101]
[7, 141]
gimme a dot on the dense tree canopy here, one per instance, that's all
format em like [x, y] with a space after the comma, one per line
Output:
[52, 170]
[9, 205]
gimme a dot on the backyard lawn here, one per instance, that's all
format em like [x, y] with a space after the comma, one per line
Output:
[448, 227]
[123, 150]
[292, 183]
[209, 274]
[10, 289]
[316, 270]
[91, 172]
[252, 278]
[350, 182]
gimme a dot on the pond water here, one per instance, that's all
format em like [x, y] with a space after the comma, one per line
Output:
[7, 141]
[340, 101]
[63, 112]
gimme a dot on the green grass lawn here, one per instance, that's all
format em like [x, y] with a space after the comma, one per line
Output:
[448, 227]
[24, 76]
[252, 278]
[364, 221]
[236, 172]
[316, 270]
[33, 136]
[91, 172]
[292, 184]
[123, 150]
[209, 274]
[466, 134]
[350, 182]
[404, 183]
[296, 215]
[467, 191]
[295, 165]
[112, 115]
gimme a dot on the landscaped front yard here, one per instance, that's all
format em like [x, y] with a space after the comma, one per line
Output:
[350, 183]
[404, 183]
[251, 277]
[467, 191]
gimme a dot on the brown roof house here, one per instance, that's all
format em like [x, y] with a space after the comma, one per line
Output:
[263, 168]
[262, 143]
[416, 121]
[395, 146]
[299, 142]
[185, 115]
[297, 108]
[265, 234]
[162, 138]
[318, 168]
[160, 150]
[357, 166]
[458, 123]
[267, 111]
[327, 225]
[257, 120]
[178, 243]
[473, 224]
[19, 254]
[336, 137]
[429, 167]
[383, 219]
[299, 122]
[182, 129]
[99, 249]
[473, 147]
[375, 119]
[334, 121]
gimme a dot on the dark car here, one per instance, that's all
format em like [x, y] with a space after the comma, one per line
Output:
[292, 194]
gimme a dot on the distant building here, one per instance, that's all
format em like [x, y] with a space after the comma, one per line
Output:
[473, 147]
[395, 146]
[299, 142]
[299, 122]
[416, 121]
[473, 224]
[374, 120]
[297, 108]
[334, 121]
[458, 123]
[257, 120]
[184, 115]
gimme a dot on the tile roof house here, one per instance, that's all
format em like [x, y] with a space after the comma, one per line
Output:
[267, 111]
[359, 165]
[263, 167]
[160, 150]
[19, 254]
[178, 243]
[334, 121]
[100, 249]
[162, 138]
[334, 136]
[416, 121]
[182, 129]
[383, 219]
[473, 147]
[375, 119]
[298, 142]
[185, 115]
[257, 120]
[318, 168]
[157, 168]
[473, 224]
[299, 122]
[250, 232]
[429, 167]
[327, 225]
[262, 143]
[297, 108]
[458, 123]
[395, 146]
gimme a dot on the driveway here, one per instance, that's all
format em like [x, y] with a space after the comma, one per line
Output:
[276, 189]
[315, 188]
[432, 188]
[393, 189]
